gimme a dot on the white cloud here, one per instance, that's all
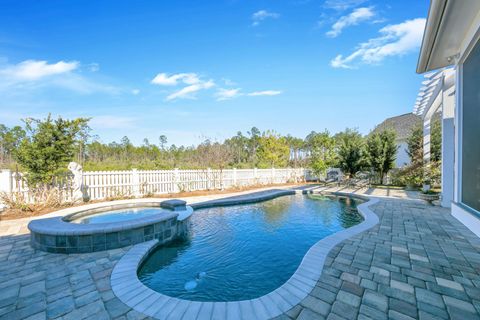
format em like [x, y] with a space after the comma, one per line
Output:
[342, 5]
[264, 93]
[228, 82]
[31, 70]
[261, 15]
[355, 17]
[80, 84]
[192, 81]
[164, 79]
[395, 40]
[188, 92]
[93, 67]
[227, 94]
[135, 91]
[31, 75]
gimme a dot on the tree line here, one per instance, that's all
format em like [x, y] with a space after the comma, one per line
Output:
[43, 147]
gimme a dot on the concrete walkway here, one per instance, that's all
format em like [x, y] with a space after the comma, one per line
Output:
[418, 262]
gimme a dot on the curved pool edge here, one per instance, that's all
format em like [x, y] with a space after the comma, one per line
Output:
[130, 290]
[55, 233]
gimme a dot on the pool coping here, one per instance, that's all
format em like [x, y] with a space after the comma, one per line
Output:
[131, 291]
[61, 226]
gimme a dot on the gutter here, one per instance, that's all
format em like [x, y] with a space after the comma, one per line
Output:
[434, 20]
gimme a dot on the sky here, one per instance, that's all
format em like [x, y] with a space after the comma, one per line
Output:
[206, 69]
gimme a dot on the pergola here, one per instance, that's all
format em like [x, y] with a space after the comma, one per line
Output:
[438, 94]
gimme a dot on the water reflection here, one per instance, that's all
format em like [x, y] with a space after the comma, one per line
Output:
[246, 251]
[276, 210]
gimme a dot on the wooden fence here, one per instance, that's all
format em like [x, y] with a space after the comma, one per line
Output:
[138, 183]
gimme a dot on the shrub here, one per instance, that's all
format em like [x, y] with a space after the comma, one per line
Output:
[40, 198]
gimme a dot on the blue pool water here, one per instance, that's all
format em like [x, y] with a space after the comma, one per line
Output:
[119, 215]
[245, 251]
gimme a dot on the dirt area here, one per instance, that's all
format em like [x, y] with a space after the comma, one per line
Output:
[11, 214]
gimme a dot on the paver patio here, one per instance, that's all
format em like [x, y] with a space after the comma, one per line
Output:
[418, 262]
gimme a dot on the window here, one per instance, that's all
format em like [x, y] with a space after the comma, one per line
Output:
[471, 130]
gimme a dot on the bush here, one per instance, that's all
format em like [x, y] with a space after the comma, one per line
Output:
[41, 198]
[47, 148]
[411, 175]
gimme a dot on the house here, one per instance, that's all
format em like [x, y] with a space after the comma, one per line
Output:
[403, 126]
[450, 60]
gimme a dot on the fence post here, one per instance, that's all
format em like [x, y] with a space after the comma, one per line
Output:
[176, 187]
[209, 179]
[6, 181]
[255, 176]
[5, 184]
[222, 179]
[136, 183]
[234, 177]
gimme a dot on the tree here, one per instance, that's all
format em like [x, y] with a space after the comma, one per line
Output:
[273, 150]
[9, 141]
[321, 147]
[415, 143]
[382, 152]
[83, 137]
[48, 147]
[125, 142]
[239, 146]
[163, 141]
[253, 145]
[351, 151]
[213, 155]
[296, 145]
[416, 172]
[436, 140]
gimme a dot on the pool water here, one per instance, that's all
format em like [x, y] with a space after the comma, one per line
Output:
[245, 251]
[119, 215]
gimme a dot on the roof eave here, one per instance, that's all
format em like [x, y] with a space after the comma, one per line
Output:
[435, 16]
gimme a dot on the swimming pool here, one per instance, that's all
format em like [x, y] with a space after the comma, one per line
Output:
[119, 215]
[243, 252]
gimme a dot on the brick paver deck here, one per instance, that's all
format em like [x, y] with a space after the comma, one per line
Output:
[418, 262]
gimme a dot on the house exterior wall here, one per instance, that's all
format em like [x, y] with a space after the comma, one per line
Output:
[402, 156]
[452, 33]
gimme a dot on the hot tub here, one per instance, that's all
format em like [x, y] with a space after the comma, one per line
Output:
[110, 225]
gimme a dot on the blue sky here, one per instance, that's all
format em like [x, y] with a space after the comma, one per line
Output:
[195, 69]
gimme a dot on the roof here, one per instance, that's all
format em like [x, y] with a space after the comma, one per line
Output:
[449, 23]
[402, 125]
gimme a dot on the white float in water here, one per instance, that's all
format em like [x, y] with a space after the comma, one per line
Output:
[190, 285]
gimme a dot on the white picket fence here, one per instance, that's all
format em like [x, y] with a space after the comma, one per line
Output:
[138, 183]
